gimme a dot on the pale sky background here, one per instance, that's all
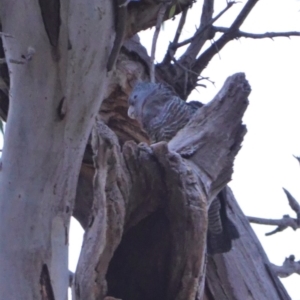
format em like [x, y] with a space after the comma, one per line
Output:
[265, 163]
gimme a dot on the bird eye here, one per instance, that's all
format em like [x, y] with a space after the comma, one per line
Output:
[135, 96]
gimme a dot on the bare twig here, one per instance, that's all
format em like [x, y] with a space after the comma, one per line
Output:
[282, 224]
[206, 78]
[289, 267]
[187, 71]
[207, 55]
[202, 29]
[159, 21]
[286, 220]
[298, 158]
[270, 35]
[189, 58]
[171, 50]
[183, 67]
[293, 204]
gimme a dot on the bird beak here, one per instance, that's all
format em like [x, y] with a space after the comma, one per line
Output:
[131, 112]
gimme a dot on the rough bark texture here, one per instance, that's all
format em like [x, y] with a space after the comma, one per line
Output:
[141, 266]
[162, 251]
[245, 272]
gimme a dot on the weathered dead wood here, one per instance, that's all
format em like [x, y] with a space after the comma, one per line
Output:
[140, 264]
[245, 272]
[208, 147]
[186, 211]
[164, 196]
[148, 192]
[268, 35]
[289, 267]
[143, 14]
[106, 224]
[286, 221]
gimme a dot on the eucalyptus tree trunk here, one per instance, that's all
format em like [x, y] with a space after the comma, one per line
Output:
[143, 207]
[53, 52]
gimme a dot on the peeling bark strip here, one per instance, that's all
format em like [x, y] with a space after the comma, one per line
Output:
[46, 286]
[186, 211]
[50, 10]
[108, 214]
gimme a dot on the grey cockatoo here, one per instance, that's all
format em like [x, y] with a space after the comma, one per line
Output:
[162, 114]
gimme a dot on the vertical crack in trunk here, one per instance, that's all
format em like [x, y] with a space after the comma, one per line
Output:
[46, 286]
[50, 10]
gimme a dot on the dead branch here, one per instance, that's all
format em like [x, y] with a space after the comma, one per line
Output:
[293, 204]
[247, 265]
[160, 17]
[188, 59]
[282, 224]
[286, 220]
[203, 60]
[171, 52]
[202, 33]
[202, 29]
[270, 35]
[298, 158]
[289, 267]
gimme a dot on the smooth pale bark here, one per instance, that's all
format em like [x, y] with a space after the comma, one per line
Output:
[54, 95]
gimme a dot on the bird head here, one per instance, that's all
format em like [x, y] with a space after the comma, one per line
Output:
[139, 95]
[146, 101]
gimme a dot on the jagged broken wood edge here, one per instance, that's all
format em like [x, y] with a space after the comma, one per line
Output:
[185, 204]
[187, 213]
[214, 135]
[289, 267]
[106, 221]
[286, 221]
[210, 154]
[245, 271]
[140, 163]
[118, 189]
